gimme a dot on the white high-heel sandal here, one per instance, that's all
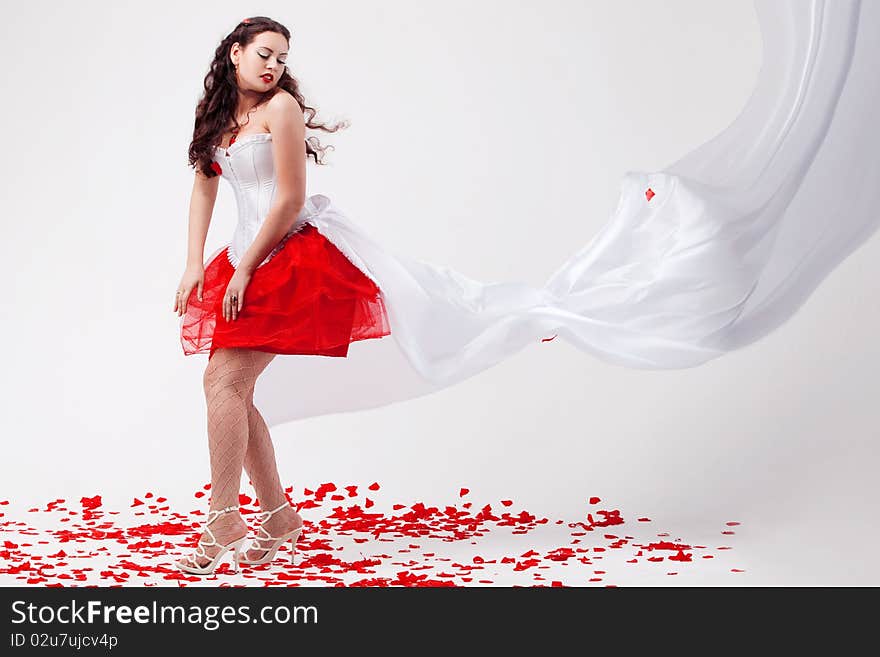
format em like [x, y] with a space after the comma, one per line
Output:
[191, 566]
[276, 541]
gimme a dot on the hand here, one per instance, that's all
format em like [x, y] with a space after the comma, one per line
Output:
[233, 299]
[192, 277]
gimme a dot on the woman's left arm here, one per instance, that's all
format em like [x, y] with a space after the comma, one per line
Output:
[287, 124]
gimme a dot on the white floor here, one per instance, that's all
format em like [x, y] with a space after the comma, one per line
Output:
[69, 544]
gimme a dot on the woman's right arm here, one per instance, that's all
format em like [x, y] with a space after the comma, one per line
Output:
[201, 207]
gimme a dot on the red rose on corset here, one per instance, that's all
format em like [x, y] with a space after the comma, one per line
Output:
[216, 168]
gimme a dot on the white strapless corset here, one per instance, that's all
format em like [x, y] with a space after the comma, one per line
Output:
[249, 168]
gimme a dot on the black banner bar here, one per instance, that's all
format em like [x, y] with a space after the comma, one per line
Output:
[125, 621]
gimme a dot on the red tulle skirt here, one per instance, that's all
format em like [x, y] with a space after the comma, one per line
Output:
[308, 299]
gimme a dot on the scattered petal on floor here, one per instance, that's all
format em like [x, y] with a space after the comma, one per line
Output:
[83, 543]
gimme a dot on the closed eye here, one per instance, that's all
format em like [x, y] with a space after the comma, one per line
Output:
[282, 62]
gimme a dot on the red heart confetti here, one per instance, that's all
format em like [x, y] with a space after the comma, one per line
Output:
[350, 540]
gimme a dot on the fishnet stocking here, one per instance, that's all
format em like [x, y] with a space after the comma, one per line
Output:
[229, 384]
[261, 466]
[259, 462]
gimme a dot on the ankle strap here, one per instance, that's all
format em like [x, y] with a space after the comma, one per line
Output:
[213, 515]
[226, 508]
[269, 514]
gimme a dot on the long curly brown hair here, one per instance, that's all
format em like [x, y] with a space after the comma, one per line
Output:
[216, 109]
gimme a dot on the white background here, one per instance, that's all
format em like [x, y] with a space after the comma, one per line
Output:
[479, 129]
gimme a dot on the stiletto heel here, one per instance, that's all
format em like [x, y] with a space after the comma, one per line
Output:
[192, 567]
[236, 554]
[271, 543]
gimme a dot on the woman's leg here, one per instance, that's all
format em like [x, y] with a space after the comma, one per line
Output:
[262, 468]
[229, 382]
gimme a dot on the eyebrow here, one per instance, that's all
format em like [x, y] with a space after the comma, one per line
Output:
[270, 50]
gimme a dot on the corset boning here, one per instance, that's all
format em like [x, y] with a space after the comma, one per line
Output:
[248, 166]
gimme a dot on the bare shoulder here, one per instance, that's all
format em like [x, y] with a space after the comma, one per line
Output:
[281, 104]
[285, 119]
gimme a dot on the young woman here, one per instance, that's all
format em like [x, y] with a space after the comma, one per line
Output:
[279, 286]
[703, 257]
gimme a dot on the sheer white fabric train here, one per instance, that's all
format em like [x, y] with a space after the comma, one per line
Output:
[741, 231]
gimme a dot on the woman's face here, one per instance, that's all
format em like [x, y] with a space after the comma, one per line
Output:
[265, 56]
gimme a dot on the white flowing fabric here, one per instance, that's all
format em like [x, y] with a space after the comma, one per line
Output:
[739, 232]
